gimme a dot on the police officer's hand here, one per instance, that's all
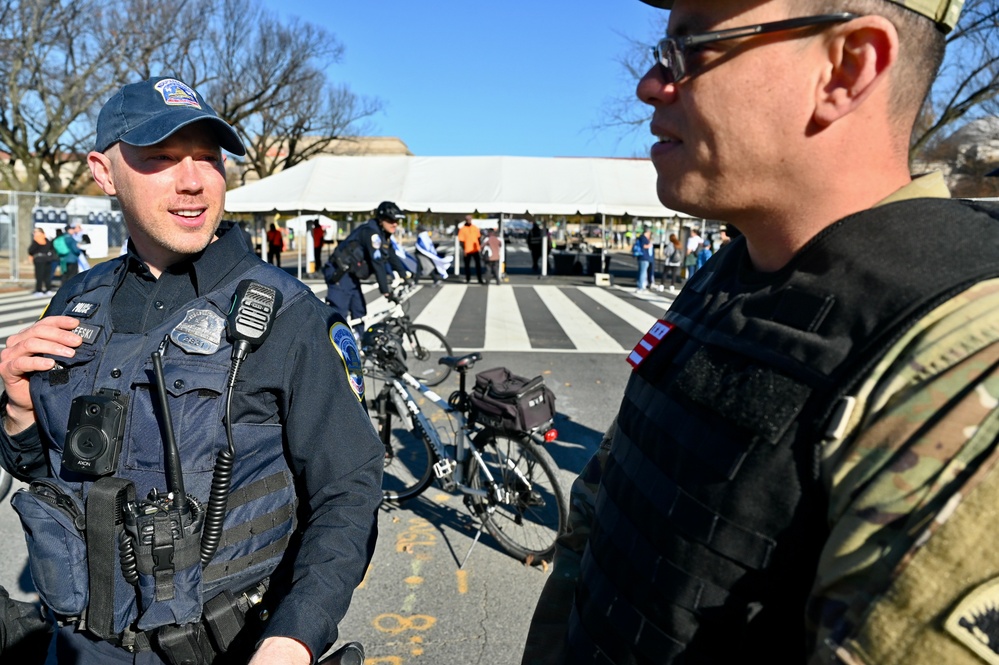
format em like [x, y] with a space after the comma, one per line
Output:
[281, 651]
[391, 297]
[52, 335]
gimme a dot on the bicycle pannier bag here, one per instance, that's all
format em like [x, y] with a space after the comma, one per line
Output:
[509, 402]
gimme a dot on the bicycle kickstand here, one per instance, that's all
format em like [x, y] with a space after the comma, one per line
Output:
[475, 540]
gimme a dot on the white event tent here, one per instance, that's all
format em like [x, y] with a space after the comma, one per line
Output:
[487, 185]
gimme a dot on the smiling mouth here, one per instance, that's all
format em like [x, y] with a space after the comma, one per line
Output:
[190, 214]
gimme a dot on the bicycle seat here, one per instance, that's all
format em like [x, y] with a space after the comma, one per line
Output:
[463, 362]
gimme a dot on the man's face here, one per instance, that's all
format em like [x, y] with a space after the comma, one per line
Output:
[390, 225]
[171, 194]
[725, 130]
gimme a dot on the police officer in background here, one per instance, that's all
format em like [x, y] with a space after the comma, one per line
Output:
[365, 251]
[804, 464]
[133, 568]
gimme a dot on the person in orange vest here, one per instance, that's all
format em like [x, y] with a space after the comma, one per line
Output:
[469, 236]
[275, 245]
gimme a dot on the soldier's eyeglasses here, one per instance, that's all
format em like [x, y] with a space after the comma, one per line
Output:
[671, 53]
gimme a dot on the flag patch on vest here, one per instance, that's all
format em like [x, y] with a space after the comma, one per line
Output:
[975, 622]
[648, 342]
[343, 341]
[200, 332]
[87, 332]
[82, 310]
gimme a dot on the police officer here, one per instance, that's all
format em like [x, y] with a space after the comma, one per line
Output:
[803, 467]
[365, 251]
[249, 535]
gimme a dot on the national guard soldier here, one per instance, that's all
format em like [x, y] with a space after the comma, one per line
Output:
[803, 465]
[189, 499]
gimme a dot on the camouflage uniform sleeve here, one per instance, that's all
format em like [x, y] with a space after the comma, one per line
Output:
[546, 636]
[921, 440]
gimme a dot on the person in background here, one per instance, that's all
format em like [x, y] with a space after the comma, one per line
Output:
[66, 248]
[804, 467]
[429, 259]
[492, 250]
[318, 237]
[469, 237]
[275, 245]
[366, 251]
[643, 252]
[43, 256]
[672, 260]
[535, 238]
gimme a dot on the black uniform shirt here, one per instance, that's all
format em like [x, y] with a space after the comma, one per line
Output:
[296, 378]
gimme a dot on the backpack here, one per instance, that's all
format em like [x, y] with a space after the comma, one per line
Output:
[348, 257]
[636, 249]
[60, 246]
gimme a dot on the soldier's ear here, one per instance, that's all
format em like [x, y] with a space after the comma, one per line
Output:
[860, 54]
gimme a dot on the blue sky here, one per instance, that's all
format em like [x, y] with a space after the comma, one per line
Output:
[467, 77]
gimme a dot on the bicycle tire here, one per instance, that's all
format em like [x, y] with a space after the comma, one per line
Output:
[6, 481]
[408, 463]
[424, 346]
[524, 522]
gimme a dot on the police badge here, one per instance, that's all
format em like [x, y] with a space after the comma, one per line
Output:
[200, 332]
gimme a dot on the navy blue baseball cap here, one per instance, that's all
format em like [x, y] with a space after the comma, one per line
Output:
[145, 113]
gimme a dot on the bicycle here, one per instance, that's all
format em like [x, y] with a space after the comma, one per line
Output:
[507, 479]
[422, 343]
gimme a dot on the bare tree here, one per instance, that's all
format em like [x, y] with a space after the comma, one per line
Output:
[61, 59]
[968, 83]
[967, 86]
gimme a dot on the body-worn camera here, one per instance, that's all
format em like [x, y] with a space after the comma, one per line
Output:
[95, 432]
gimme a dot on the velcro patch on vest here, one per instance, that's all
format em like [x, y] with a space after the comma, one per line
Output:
[87, 332]
[82, 310]
[345, 344]
[751, 396]
[975, 622]
[645, 345]
[200, 332]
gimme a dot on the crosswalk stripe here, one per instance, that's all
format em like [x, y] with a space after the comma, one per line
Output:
[505, 329]
[501, 320]
[582, 331]
[641, 320]
[440, 311]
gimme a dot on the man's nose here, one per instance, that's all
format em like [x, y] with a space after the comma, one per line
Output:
[654, 88]
[189, 176]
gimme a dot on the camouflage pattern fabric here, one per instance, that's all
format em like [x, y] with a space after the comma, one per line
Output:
[923, 440]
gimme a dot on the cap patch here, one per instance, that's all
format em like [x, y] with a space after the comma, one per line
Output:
[176, 93]
[343, 341]
[975, 622]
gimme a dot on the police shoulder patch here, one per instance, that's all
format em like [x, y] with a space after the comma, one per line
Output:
[342, 338]
[975, 621]
[376, 240]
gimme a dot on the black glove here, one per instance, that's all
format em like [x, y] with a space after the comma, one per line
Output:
[391, 297]
[24, 632]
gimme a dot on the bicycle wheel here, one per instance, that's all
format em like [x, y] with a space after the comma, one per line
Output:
[6, 480]
[408, 462]
[527, 509]
[424, 346]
